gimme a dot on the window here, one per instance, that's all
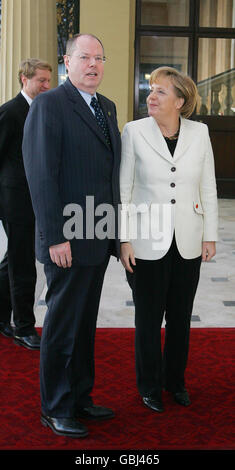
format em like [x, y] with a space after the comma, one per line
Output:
[217, 13]
[196, 37]
[216, 76]
[156, 51]
[165, 13]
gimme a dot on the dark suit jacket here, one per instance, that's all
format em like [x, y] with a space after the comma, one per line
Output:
[66, 158]
[15, 200]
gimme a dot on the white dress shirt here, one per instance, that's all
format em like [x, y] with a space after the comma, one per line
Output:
[28, 99]
[87, 97]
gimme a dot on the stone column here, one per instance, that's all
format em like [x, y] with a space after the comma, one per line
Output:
[28, 30]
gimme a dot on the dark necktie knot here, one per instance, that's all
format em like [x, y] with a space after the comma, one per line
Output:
[94, 103]
[100, 118]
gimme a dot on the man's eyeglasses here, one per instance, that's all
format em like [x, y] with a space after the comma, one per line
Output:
[86, 58]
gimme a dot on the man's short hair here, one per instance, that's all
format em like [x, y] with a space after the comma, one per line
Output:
[70, 46]
[28, 68]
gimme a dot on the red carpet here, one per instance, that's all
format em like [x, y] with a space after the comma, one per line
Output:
[207, 424]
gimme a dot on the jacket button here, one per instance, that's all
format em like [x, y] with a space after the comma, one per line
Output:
[173, 168]
[172, 185]
[173, 201]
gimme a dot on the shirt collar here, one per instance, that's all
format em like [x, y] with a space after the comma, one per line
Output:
[87, 96]
[28, 99]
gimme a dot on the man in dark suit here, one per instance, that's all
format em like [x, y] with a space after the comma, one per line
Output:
[72, 157]
[17, 269]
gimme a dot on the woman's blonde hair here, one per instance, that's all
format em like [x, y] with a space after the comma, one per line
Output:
[184, 87]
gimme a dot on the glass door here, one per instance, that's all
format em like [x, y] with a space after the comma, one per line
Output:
[196, 37]
[216, 85]
[156, 51]
[156, 43]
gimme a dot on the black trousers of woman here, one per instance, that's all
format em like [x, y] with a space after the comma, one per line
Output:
[163, 286]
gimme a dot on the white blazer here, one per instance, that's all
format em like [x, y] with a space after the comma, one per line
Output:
[161, 194]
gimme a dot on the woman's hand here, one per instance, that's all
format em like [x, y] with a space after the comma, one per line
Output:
[208, 250]
[127, 256]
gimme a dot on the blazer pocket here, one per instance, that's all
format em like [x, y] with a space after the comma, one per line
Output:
[198, 207]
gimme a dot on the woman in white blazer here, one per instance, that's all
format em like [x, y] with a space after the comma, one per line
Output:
[168, 225]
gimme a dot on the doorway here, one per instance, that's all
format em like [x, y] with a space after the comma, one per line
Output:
[198, 38]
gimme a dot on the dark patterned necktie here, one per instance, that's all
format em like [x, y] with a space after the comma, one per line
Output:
[100, 119]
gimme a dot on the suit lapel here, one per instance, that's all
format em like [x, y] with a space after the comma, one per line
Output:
[80, 107]
[22, 105]
[152, 134]
[184, 140]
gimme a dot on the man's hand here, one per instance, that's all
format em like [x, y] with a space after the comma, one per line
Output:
[61, 255]
[208, 250]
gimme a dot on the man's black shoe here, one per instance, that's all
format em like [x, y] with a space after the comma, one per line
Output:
[6, 329]
[69, 427]
[154, 404]
[182, 398]
[29, 342]
[95, 412]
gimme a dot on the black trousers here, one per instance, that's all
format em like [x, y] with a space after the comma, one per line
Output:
[67, 344]
[18, 278]
[163, 286]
